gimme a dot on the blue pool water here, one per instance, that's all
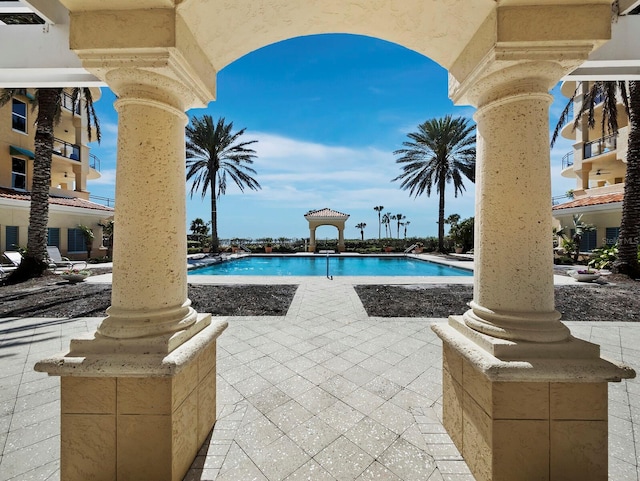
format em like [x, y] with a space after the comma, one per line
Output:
[338, 266]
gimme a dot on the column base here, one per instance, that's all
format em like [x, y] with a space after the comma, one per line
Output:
[96, 343]
[539, 415]
[136, 416]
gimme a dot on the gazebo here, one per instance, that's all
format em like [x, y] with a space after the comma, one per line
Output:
[326, 216]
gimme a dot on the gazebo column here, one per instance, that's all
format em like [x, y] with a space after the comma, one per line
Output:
[341, 247]
[522, 398]
[138, 397]
[312, 238]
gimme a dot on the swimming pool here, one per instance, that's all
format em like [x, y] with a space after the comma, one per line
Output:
[338, 266]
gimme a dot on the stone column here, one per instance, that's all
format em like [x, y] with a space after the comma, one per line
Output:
[144, 385]
[150, 240]
[523, 399]
[513, 219]
[341, 239]
[312, 239]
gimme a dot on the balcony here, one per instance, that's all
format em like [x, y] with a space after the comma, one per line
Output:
[94, 162]
[567, 160]
[600, 146]
[67, 103]
[66, 149]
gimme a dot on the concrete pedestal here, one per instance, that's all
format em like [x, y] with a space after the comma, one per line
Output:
[539, 415]
[136, 416]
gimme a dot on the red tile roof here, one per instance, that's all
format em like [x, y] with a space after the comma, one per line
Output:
[592, 200]
[53, 199]
[326, 212]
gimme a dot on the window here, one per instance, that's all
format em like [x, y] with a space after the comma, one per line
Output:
[588, 241]
[75, 241]
[18, 173]
[53, 236]
[611, 235]
[11, 237]
[19, 116]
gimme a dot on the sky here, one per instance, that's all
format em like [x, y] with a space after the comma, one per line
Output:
[327, 111]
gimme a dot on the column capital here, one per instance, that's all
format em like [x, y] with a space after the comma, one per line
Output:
[148, 52]
[163, 76]
[508, 70]
[528, 44]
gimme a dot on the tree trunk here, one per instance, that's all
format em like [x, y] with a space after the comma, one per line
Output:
[627, 261]
[34, 262]
[215, 247]
[379, 226]
[441, 216]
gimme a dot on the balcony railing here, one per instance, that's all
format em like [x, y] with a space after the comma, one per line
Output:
[67, 103]
[66, 149]
[94, 162]
[108, 201]
[600, 146]
[567, 160]
[569, 118]
[560, 199]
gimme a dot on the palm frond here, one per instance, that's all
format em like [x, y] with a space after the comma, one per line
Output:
[215, 151]
[564, 117]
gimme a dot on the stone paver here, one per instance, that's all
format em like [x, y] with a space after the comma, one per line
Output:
[323, 393]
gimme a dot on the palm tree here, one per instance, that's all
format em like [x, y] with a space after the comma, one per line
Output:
[361, 226]
[399, 218]
[378, 209]
[405, 224]
[213, 152]
[48, 101]
[200, 230]
[107, 237]
[441, 152]
[607, 92]
[386, 219]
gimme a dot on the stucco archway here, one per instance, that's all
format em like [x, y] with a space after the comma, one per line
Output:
[161, 59]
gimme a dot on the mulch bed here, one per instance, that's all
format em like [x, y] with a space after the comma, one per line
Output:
[613, 301]
[49, 296]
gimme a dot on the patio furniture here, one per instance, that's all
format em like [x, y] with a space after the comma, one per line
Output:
[58, 260]
[14, 257]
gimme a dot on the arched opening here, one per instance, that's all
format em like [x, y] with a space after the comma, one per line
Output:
[510, 347]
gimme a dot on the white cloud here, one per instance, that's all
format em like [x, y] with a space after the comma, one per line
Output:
[107, 177]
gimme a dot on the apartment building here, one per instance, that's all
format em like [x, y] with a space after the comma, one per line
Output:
[72, 167]
[597, 162]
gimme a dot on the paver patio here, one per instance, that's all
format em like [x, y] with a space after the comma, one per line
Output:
[323, 393]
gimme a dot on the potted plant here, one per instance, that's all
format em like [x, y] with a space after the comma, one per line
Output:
[460, 232]
[388, 249]
[268, 246]
[585, 275]
[419, 249]
[75, 275]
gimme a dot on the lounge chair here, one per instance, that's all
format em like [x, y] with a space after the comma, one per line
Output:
[14, 257]
[57, 260]
[4, 271]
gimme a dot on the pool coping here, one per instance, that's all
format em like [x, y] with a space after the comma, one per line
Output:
[349, 280]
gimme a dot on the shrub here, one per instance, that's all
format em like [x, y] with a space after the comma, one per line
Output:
[604, 257]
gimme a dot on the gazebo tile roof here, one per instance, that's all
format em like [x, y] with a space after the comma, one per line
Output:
[592, 200]
[326, 212]
[56, 200]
